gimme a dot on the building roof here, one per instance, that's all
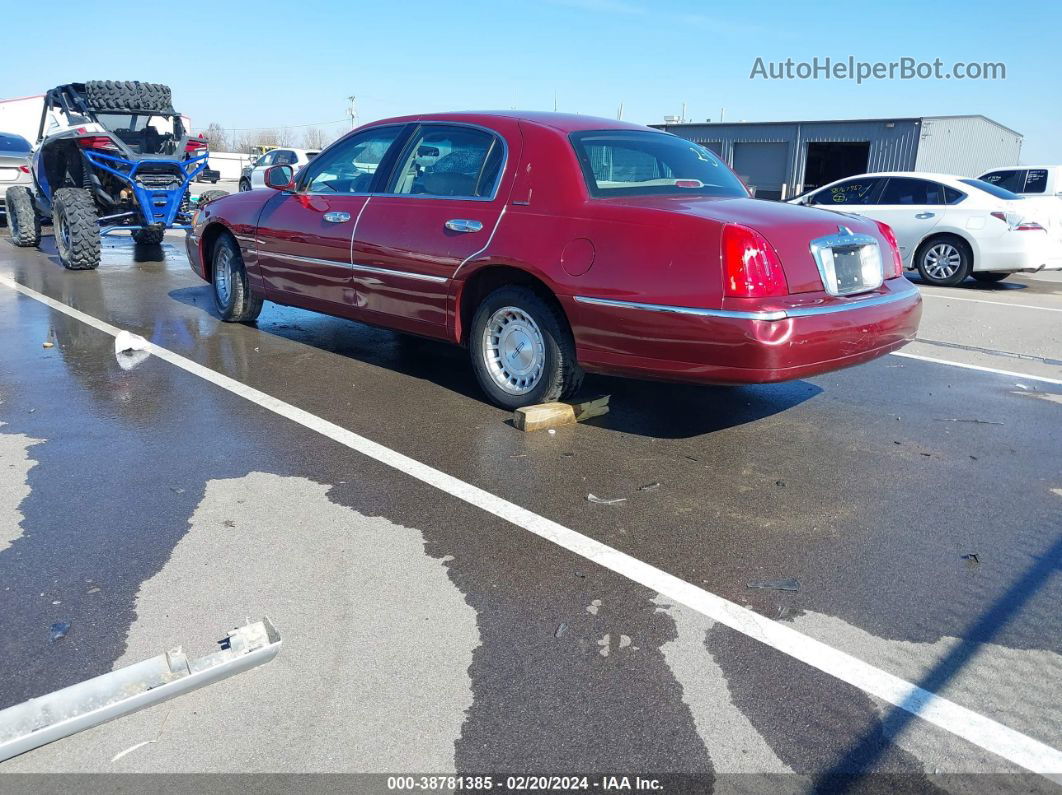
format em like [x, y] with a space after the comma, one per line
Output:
[833, 121]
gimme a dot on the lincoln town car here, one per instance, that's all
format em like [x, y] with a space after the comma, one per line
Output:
[551, 245]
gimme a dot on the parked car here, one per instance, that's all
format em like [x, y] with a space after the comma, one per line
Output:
[555, 244]
[948, 227]
[211, 175]
[15, 154]
[1034, 181]
[251, 176]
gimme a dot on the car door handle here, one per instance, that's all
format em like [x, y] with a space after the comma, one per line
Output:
[463, 225]
[337, 218]
[925, 215]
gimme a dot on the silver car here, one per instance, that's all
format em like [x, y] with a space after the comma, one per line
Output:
[14, 164]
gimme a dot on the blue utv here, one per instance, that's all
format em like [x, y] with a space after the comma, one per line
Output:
[110, 156]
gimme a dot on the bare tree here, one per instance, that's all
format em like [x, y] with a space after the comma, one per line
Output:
[315, 138]
[285, 136]
[217, 139]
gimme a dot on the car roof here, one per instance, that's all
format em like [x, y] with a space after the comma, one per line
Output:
[564, 122]
[937, 177]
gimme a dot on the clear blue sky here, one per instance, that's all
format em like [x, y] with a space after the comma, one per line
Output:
[270, 64]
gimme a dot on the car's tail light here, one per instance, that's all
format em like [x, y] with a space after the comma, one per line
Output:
[1018, 224]
[97, 142]
[24, 169]
[751, 268]
[893, 266]
[195, 144]
[1029, 226]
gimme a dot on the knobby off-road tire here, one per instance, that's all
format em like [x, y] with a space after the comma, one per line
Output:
[148, 237]
[77, 232]
[106, 95]
[232, 293]
[23, 223]
[209, 196]
[511, 329]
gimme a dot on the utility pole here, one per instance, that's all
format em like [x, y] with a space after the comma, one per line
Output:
[352, 111]
[721, 112]
[619, 113]
[683, 112]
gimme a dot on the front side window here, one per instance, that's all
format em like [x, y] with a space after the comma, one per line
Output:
[855, 191]
[350, 166]
[454, 161]
[636, 163]
[906, 191]
[1009, 179]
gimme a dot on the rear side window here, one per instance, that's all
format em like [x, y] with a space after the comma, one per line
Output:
[1010, 179]
[952, 196]
[636, 163]
[1036, 180]
[856, 191]
[9, 142]
[908, 191]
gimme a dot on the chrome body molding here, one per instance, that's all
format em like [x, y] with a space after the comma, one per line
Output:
[424, 277]
[778, 314]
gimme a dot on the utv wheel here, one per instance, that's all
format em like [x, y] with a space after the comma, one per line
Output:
[989, 277]
[232, 294]
[522, 349]
[126, 95]
[945, 260]
[23, 223]
[209, 196]
[151, 236]
[77, 232]
[245, 185]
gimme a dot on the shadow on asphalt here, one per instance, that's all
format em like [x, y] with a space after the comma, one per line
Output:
[644, 408]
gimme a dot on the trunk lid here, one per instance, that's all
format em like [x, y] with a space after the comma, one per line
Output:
[790, 228]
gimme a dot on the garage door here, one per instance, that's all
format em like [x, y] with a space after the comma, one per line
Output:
[762, 166]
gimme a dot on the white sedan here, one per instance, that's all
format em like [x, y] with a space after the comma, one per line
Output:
[254, 175]
[949, 227]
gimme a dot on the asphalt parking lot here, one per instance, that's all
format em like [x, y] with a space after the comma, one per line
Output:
[916, 502]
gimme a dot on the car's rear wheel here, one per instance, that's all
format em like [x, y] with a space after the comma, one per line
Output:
[944, 260]
[989, 277]
[151, 236]
[522, 349]
[23, 223]
[245, 185]
[77, 231]
[232, 293]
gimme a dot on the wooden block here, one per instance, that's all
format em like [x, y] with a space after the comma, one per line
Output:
[554, 415]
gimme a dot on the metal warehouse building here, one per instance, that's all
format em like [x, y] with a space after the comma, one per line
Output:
[784, 159]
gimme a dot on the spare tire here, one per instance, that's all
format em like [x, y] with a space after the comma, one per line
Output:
[109, 95]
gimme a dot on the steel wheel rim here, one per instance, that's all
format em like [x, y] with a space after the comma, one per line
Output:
[223, 276]
[62, 234]
[514, 350]
[942, 261]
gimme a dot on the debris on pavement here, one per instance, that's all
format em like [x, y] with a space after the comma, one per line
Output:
[972, 560]
[776, 585]
[543, 415]
[561, 629]
[47, 344]
[130, 350]
[974, 421]
[72, 709]
[58, 631]
[604, 501]
[650, 486]
[593, 607]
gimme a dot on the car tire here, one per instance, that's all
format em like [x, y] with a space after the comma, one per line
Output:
[244, 185]
[209, 196]
[523, 320]
[944, 260]
[152, 236]
[23, 223]
[232, 293]
[77, 231]
[989, 277]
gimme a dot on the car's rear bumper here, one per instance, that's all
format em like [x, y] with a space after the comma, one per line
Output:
[1020, 251]
[776, 344]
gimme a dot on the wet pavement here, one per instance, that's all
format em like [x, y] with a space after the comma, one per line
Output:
[917, 505]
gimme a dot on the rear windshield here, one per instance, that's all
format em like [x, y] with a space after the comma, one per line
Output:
[637, 163]
[10, 142]
[995, 190]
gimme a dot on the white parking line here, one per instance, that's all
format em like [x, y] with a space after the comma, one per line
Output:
[1045, 379]
[994, 303]
[991, 735]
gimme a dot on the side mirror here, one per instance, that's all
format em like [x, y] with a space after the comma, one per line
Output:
[279, 178]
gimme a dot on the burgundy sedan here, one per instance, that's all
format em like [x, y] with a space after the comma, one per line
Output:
[551, 245]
